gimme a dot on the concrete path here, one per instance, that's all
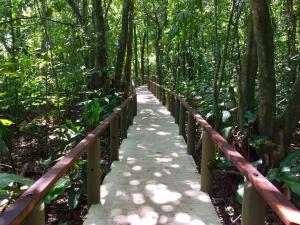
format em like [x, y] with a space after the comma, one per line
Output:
[155, 181]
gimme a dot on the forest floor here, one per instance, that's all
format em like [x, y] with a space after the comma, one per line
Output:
[29, 154]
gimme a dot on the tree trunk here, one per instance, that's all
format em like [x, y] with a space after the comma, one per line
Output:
[143, 45]
[127, 72]
[263, 33]
[246, 80]
[136, 59]
[122, 46]
[100, 76]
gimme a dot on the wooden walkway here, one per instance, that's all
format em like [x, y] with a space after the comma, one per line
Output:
[155, 181]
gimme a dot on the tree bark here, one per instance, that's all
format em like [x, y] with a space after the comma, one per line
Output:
[100, 76]
[143, 45]
[246, 80]
[127, 72]
[122, 46]
[263, 33]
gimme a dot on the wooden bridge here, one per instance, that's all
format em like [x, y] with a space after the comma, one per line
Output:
[154, 178]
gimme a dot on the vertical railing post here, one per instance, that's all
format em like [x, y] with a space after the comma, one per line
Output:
[123, 121]
[191, 134]
[163, 95]
[131, 112]
[177, 108]
[207, 156]
[168, 104]
[182, 120]
[158, 94]
[135, 105]
[36, 216]
[94, 172]
[172, 104]
[114, 138]
[254, 207]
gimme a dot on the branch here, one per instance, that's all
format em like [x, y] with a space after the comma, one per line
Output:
[36, 17]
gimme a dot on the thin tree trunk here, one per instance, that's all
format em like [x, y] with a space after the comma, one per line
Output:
[127, 72]
[246, 80]
[263, 33]
[136, 59]
[122, 46]
[143, 45]
[100, 76]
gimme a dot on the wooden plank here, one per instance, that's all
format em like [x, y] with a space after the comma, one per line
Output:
[18, 211]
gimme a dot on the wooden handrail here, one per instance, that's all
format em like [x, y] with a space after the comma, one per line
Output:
[285, 210]
[21, 208]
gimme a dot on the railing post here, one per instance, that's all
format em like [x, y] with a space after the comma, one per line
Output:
[135, 105]
[207, 156]
[168, 104]
[163, 96]
[114, 139]
[36, 216]
[158, 94]
[172, 104]
[123, 122]
[191, 134]
[94, 172]
[254, 207]
[182, 120]
[130, 112]
[177, 108]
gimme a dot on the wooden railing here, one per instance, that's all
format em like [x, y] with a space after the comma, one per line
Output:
[29, 208]
[256, 195]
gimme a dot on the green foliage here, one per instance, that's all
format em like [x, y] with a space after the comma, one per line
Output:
[12, 186]
[288, 172]
[57, 190]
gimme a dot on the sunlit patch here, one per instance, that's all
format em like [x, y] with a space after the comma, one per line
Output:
[164, 159]
[159, 194]
[194, 194]
[121, 195]
[167, 208]
[138, 128]
[134, 182]
[127, 174]
[154, 125]
[138, 198]
[137, 168]
[150, 129]
[162, 133]
[163, 219]
[140, 146]
[163, 111]
[157, 174]
[175, 154]
[182, 218]
[196, 222]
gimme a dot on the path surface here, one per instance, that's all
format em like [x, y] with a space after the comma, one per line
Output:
[155, 181]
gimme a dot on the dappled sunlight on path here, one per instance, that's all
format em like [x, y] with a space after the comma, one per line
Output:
[155, 181]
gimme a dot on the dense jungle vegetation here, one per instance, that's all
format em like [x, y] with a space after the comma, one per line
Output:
[65, 65]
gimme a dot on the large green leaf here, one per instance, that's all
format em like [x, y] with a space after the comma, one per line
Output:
[291, 159]
[57, 190]
[7, 178]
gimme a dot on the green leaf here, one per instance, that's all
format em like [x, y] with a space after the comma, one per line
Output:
[250, 116]
[7, 178]
[291, 159]
[57, 190]
[225, 132]
[225, 116]
[74, 196]
[240, 193]
[6, 122]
